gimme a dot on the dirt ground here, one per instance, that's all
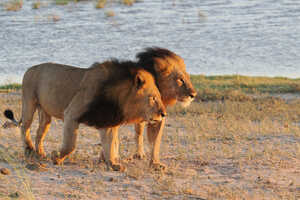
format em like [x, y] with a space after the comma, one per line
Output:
[210, 152]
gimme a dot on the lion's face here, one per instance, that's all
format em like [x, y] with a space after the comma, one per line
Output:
[173, 81]
[144, 100]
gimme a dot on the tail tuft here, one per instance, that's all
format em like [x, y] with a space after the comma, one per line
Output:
[9, 114]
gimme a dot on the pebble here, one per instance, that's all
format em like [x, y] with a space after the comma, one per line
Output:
[4, 171]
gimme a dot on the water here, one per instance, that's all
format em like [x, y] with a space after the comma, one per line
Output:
[215, 37]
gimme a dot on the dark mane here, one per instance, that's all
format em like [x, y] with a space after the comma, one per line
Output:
[95, 64]
[104, 111]
[124, 64]
[155, 52]
[127, 64]
[146, 57]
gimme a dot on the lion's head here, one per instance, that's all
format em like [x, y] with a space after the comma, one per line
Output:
[144, 98]
[170, 74]
[129, 95]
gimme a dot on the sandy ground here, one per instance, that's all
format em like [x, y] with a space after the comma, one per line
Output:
[249, 166]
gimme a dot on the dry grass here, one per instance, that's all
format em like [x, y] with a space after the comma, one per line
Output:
[110, 13]
[246, 84]
[104, 3]
[233, 148]
[100, 4]
[36, 5]
[62, 2]
[14, 5]
[128, 2]
[53, 17]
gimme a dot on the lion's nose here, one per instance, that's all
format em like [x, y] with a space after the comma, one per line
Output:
[163, 113]
[193, 94]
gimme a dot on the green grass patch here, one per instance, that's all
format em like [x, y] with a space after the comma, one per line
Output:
[236, 87]
[247, 84]
[12, 86]
[62, 2]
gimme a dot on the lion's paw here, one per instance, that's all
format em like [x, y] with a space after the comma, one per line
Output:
[158, 166]
[102, 157]
[29, 152]
[139, 156]
[118, 167]
[41, 156]
[55, 157]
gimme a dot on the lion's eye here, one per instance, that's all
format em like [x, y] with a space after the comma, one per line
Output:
[152, 98]
[180, 81]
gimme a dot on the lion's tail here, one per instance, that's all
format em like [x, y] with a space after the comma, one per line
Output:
[10, 115]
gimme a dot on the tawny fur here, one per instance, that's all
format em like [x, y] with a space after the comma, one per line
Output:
[104, 96]
[174, 85]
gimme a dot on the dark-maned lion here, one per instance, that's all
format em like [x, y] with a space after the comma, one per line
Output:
[174, 85]
[105, 95]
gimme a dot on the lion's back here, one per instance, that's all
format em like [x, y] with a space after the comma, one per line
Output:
[51, 85]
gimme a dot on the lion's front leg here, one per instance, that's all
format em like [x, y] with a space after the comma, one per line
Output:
[154, 132]
[139, 130]
[69, 141]
[110, 144]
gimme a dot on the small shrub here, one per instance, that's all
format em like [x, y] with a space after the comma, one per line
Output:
[53, 18]
[14, 5]
[110, 13]
[36, 5]
[128, 2]
[101, 4]
[61, 2]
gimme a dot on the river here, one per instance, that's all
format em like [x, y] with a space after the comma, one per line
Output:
[215, 37]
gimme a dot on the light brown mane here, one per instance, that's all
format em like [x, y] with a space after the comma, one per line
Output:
[146, 58]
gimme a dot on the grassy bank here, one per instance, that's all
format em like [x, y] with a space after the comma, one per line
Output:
[247, 84]
[237, 87]
[10, 87]
[229, 86]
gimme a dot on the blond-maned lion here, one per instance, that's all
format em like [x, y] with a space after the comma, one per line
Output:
[105, 95]
[174, 84]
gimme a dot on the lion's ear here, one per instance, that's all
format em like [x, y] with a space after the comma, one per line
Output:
[139, 81]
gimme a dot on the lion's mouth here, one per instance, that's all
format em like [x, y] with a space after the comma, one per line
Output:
[154, 121]
[184, 102]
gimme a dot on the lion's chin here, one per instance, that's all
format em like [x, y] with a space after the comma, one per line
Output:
[185, 102]
[155, 120]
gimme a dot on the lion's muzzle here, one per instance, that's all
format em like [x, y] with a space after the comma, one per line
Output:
[159, 117]
[186, 101]
[193, 94]
[163, 113]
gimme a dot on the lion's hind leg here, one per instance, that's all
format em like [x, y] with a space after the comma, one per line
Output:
[28, 109]
[44, 125]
